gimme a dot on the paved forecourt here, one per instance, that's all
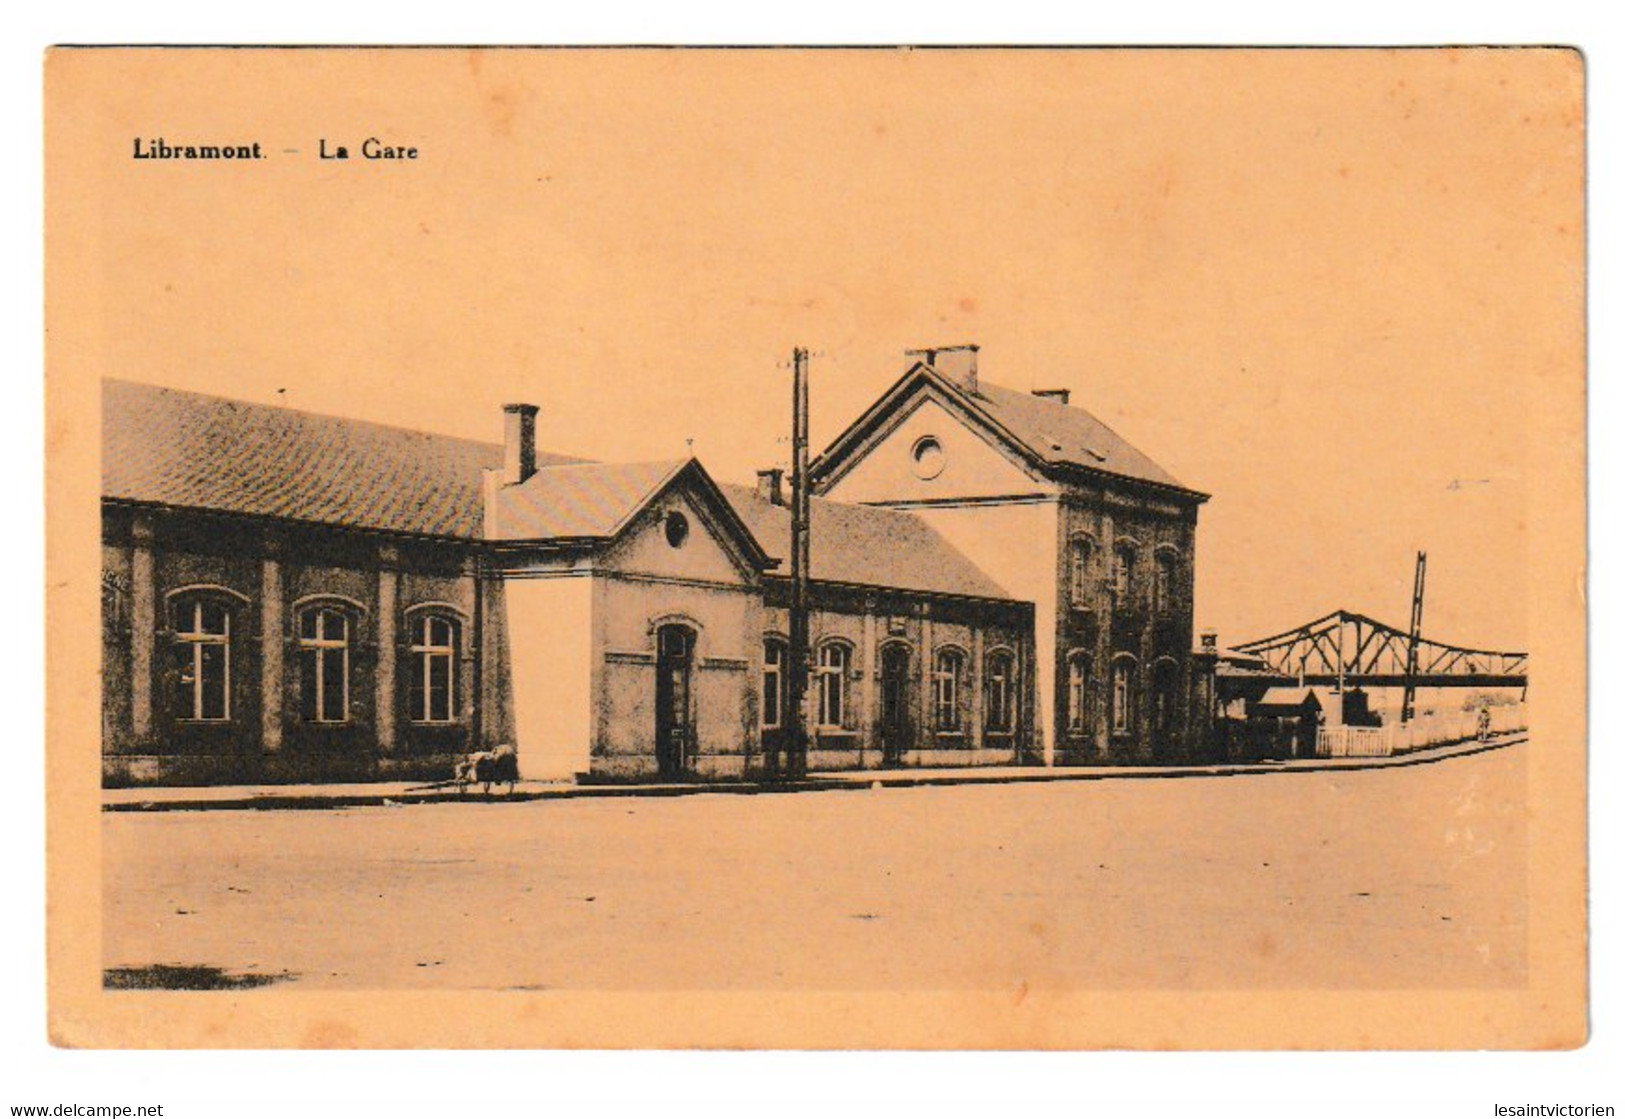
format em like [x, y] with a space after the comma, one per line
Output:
[1403, 876]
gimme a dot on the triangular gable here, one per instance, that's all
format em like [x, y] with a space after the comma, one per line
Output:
[1049, 439]
[894, 407]
[595, 505]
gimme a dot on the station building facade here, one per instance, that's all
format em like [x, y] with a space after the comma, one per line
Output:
[294, 597]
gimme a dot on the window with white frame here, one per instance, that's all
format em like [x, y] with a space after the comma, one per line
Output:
[324, 665]
[833, 661]
[432, 695]
[203, 660]
[946, 673]
[1122, 695]
[1001, 692]
[773, 684]
[1077, 693]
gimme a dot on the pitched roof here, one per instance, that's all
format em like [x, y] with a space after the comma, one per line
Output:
[1288, 697]
[579, 500]
[866, 546]
[1053, 436]
[589, 503]
[169, 447]
[1063, 435]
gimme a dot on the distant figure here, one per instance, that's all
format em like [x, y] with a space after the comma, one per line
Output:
[1483, 724]
[490, 767]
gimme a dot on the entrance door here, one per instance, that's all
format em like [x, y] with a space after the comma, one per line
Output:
[895, 732]
[674, 721]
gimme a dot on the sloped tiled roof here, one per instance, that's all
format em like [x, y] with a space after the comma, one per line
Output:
[1054, 436]
[580, 500]
[863, 545]
[1061, 434]
[169, 447]
[1288, 697]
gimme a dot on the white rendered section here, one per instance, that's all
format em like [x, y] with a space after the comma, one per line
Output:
[645, 548]
[550, 640]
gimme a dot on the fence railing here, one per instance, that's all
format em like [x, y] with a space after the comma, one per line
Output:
[1426, 730]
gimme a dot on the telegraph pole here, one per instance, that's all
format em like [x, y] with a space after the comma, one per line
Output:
[1407, 707]
[800, 555]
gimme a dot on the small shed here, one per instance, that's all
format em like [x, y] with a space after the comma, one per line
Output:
[1285, 721]
[1283, 703]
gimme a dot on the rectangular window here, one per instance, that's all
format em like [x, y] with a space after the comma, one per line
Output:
[832, 686]
[1122, 697]
[772, 685]
[1080, 572]
[434, 670]
[1000, 693]
[1164, 582]
[945, 690]
[1077, 694]
[1123, 573]
[203, 661]
[324, 655]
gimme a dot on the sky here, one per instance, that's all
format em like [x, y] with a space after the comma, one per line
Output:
[1325, 287]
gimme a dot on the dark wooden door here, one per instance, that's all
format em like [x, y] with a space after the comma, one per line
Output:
[895, 724]
[674, 714]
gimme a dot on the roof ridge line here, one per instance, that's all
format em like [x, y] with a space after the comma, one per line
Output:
[268, 406]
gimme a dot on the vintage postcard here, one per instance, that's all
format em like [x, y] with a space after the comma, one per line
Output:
[816, 548]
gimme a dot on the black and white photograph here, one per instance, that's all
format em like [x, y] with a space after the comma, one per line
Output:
[885, 548]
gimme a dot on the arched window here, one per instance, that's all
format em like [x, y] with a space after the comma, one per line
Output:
[432, 696]
[947, 674]
[833, 662]
[1123, 571]
[1167, 570]
[1164, 697]
[773, 683]
[1123, 695]
[1077, 693]
[324, 665]
[1001, 691]
[1080, 557]
[202, 654]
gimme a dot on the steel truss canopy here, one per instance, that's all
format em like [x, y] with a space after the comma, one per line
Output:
[1357, 651]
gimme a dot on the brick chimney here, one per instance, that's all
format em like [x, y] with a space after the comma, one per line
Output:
[956, 363]
[770, 485]
[1063, 395]
[518, 442]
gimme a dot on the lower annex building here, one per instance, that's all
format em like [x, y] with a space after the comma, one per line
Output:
[996, 578]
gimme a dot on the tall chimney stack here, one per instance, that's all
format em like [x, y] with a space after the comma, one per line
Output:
[518, 442]
[957, 363]
[770, 485]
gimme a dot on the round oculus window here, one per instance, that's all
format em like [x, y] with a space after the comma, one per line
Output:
[928, 457]
[676, 529]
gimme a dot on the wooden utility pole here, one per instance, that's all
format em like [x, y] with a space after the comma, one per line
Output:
[798, 653]
[1407, 707]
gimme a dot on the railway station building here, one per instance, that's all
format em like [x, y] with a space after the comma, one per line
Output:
[997, 578]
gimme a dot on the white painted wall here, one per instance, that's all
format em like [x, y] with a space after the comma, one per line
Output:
[551, 642]
[643, 547]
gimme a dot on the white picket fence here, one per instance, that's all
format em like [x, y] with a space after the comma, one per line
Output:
[1426, 730]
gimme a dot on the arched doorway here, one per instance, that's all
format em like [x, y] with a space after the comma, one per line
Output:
[896, 729]
[674, 708]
